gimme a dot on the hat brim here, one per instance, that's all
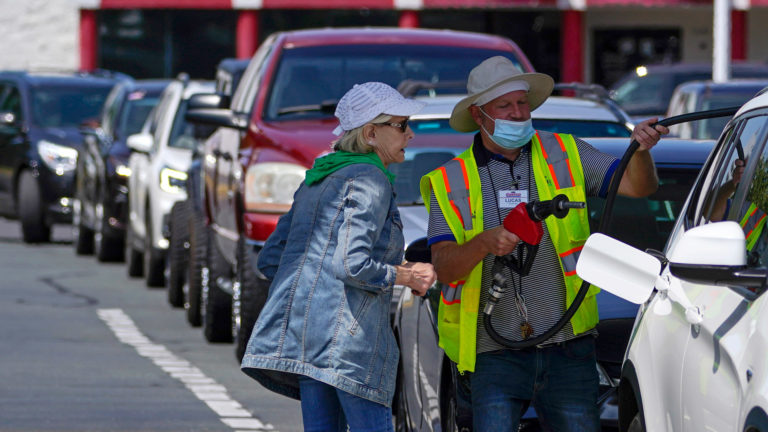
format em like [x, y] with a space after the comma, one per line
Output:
[541, 86]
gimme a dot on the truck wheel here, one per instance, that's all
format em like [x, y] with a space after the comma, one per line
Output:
[217, 303]
[178, 253]
[250, 294]
[33, 226]
[198, 250]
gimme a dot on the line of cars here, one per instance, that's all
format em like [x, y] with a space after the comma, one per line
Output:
[214, 165]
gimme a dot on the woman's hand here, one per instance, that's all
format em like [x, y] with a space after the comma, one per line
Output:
[417, 276]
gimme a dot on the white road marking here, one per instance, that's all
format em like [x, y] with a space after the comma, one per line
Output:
[230, 412]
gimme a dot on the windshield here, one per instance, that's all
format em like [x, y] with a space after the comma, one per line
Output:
[66, 106]
[579, 128]
[643, 95]
[712, 128]
[309, 81]
[135, 113]
[417, 163]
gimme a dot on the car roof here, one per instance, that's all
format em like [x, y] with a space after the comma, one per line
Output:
[396, 35]
[739, 84]
[96, 78]
[759, 101]
[150, 85]
[555, 107]
[701, 67]
[668, 153]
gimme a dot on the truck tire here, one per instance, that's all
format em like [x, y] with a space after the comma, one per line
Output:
[82, 236]
[197, 270]
[134, 259]
[178, 253]
[154, 259]
[250, 294]
[106, 246]
[217, 303]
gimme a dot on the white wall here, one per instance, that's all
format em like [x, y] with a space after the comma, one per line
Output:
[39, 34]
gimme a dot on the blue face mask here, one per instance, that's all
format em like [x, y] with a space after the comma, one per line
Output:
[510, 134]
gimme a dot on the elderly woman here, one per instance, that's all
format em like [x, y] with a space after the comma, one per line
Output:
[324, 335]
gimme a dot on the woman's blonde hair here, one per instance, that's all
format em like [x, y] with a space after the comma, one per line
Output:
[353, 140]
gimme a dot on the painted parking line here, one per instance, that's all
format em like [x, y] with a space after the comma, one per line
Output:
[230, 412]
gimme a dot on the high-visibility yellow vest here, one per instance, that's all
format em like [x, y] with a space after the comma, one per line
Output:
[753, 223]
[557, 169]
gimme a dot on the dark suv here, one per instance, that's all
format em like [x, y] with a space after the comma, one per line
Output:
[101, 190]
[40, 117]
[281, 119]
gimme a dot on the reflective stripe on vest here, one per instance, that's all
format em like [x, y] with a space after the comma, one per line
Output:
[554, 152]
[752, 224]
[451, 292]
[457, 184]
[569, 260]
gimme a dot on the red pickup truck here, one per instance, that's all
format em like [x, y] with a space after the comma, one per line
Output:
[280, 120]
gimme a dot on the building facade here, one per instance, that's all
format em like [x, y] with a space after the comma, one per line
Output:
[573, 40]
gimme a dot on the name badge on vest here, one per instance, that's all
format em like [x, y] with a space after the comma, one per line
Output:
[511, 198]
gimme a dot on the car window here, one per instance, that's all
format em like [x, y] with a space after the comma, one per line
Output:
[182, 132]
[646, 222]
[135, 111]
[579, 128]
[309, 80]
[12, 102]
[724, 195]
[59, 106]
[641, 93]
[245, 93]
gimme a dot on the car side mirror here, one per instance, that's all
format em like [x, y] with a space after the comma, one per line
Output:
[206, 100]
[715, 254]
[140, 142]
[8, 119]
[418, 251]
[218, 117]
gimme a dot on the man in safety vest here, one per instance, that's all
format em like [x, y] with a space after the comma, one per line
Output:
[468, 198]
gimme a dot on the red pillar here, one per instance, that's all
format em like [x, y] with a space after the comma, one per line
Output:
[247, 33]
[409, 19]
[572, 47]
[89, 41]
[738, 35]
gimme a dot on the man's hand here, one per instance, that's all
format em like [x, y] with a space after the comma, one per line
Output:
[498, 241]
[646, 135]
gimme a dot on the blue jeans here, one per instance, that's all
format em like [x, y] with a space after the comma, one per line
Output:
[560, 381]
[325, 408]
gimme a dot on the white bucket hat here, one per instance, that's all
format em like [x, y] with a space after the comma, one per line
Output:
[492, 78]
[364, 102]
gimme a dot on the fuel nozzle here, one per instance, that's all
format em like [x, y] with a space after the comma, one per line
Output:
[557, 207]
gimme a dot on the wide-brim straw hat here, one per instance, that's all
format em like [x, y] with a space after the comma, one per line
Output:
[492, 78]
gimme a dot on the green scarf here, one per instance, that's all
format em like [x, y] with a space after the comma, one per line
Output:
[327, 164]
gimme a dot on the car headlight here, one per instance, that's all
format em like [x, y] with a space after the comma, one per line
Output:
[59, 158]
[269, 187]
[173, 181]
[123, 171]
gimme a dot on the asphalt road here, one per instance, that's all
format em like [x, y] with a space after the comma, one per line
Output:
[83, 347]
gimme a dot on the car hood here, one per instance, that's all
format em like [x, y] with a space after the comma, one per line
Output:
[306, 140]
[66, 136]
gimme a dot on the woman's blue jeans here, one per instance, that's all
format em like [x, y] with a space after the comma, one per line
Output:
[325, 408]
[560, 381]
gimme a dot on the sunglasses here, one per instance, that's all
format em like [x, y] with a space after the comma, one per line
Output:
[402, 125]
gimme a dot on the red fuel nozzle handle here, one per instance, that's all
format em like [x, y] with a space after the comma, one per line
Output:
[525, 219]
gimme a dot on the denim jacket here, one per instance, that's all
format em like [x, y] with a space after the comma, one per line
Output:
[331, 261]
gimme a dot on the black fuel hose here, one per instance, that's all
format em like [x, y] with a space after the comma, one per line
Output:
[604, 221]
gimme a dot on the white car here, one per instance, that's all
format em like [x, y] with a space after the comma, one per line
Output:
[160, 157]
[698, 356]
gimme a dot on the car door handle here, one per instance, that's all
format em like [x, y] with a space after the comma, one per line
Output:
[224, 155]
